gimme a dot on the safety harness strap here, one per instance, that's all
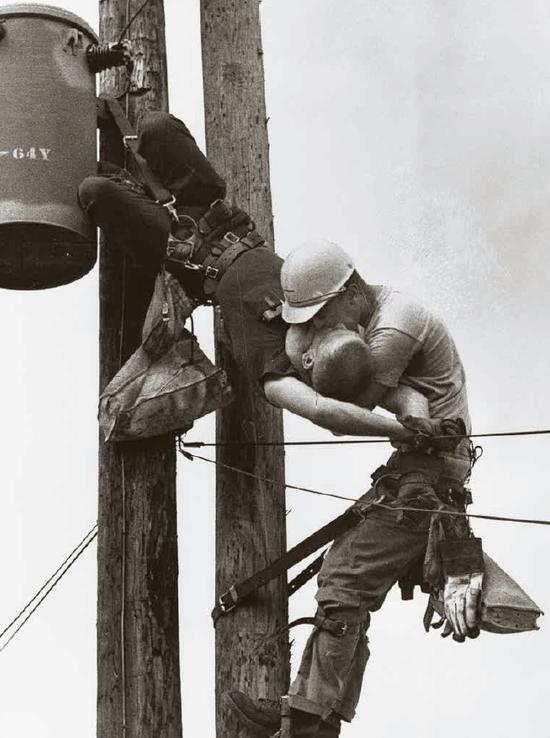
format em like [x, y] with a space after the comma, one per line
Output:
[237, 593]
[306, 574]
[130, 139]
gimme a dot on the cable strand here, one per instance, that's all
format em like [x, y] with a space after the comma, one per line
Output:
[402, 508]
[355, 441]
[43, 587]
[47, 592]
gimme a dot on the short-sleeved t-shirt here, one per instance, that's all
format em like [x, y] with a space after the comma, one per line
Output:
[412, 346]
[249, 288]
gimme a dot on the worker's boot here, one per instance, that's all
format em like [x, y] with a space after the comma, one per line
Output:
[307, 725]
[329, 729]
[261, 716]
[264, 717]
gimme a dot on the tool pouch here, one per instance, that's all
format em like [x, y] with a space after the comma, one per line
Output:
[505, 607]
[168, 310]
[151, 396]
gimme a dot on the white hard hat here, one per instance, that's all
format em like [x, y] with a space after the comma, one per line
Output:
[311, 274]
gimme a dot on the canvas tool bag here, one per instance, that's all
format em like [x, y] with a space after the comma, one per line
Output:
[165, 320]
[149, 397]
[168, 382]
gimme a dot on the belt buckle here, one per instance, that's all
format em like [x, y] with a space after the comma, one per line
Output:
[127, 139]
[231, 237]
[228, 600]
[211, 272]
[342, 629]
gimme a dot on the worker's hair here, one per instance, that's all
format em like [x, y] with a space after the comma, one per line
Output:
[343, 365]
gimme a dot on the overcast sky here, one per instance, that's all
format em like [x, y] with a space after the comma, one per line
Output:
[415, 134]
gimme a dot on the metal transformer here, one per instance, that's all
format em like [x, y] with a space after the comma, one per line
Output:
[48, 122]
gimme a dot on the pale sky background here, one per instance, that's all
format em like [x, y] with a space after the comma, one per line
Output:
[415, 134]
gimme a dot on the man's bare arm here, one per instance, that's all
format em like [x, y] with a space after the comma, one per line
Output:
[403, 401]
[339, 417]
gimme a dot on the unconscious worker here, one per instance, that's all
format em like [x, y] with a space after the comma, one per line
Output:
[220, 258]
[327, 302]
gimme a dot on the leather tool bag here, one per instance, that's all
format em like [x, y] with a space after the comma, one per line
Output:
[505, 607]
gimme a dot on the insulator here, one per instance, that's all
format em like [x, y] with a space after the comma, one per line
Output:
[105, 56]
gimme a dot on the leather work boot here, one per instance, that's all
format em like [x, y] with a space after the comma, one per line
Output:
[262, 716]
[306, 725]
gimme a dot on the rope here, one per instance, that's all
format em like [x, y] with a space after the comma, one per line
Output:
[403, 508]
[355, 441]
[75, 554]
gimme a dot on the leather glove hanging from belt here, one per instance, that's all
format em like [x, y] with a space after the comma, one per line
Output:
[463, 569]
[431, 435]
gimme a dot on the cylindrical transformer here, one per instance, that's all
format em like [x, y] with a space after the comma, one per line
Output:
[48, 121]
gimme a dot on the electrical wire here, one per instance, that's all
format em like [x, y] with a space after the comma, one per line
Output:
[43, 587]
[52, 581]
[354, 441]
[403, 508]
[132, 19]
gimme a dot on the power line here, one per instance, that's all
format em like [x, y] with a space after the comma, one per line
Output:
[132, 19]
[265, 479]
[403, 508]
[354, 441]
[58, 574]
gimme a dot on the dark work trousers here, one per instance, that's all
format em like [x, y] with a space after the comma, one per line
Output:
[357, 573]
[119, 205]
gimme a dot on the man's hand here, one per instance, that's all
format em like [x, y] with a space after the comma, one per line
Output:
[462, 604]
[438, 434]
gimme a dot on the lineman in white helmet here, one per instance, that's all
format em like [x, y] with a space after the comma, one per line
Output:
[327, 303]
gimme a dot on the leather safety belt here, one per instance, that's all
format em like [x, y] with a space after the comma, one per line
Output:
[237, 593]
[130, 139]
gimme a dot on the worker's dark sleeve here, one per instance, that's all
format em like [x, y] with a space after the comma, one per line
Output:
[246, 292]
[173, 155]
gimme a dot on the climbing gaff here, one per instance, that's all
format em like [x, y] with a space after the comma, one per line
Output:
[48, 124]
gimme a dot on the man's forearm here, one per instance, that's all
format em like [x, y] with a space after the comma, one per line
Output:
[345, 418]
[339, 417]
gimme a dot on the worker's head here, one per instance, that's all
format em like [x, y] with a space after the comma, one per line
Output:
[336, 362]
[320, 284]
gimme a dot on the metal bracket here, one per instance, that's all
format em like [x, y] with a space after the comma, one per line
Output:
[73, 41]
[125, 140]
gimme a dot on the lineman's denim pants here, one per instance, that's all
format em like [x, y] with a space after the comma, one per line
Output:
[359, 570]
[120, 206]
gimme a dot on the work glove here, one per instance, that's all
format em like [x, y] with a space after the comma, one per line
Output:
[462, 605]
[463, 567]
[429, 435]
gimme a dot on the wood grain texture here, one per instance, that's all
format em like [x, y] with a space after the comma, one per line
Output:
[250, 515]
[151, 640]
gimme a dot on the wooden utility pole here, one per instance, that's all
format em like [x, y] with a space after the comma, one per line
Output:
[137, 618]
[250, 515]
